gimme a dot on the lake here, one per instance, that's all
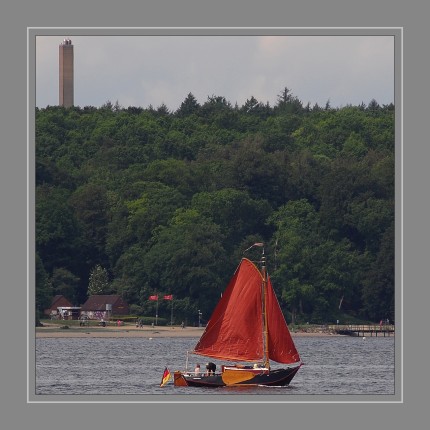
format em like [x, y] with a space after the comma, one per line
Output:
[88, 367]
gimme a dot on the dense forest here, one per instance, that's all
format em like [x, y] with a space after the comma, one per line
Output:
[142, 201]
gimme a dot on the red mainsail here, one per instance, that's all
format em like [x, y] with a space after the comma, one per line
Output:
[235, 329]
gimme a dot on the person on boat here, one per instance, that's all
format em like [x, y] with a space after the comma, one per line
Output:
[210, 368]
[258, 366]
[197, 370]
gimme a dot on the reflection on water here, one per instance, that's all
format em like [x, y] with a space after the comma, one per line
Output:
[134, 366]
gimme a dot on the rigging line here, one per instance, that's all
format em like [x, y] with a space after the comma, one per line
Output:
[255, 244]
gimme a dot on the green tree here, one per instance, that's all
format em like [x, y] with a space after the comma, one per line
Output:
[344, 182]
[130, 274]
[188, 259]
[57, 231]
[261, 173]
[173, 173]
[335, 275]
[163, 110]
[354, 146]
[43, 289]
[218, 111]
[305, 173]
[253, 108]
[139, 190]
[189, 106]
[317, 273]
[65, 283]
[98, 281]
[379, 285]
[370, 217]
[287, 102]
[294, 243]
[153, 208]
[234, 211]
[90, 204]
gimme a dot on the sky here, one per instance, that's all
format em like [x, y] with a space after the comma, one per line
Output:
[153, 70]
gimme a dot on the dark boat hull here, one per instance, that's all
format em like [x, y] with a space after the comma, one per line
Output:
[277, 377]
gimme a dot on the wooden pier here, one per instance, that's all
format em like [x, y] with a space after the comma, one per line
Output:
[364, 330]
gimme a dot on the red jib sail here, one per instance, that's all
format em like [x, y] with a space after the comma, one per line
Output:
[235, 329]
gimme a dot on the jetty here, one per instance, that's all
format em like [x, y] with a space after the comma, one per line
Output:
[364, 330]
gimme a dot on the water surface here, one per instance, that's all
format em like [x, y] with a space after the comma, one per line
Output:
[134, 366]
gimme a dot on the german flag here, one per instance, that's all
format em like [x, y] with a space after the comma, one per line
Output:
[166, 377]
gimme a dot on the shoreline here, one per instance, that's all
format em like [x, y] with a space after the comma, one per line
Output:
[54, 331]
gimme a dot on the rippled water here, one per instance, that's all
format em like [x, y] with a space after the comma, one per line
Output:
[132, 366]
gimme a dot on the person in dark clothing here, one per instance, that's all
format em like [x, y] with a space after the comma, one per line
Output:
[210, 368]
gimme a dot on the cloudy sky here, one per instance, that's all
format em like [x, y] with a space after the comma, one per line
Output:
[152, 70]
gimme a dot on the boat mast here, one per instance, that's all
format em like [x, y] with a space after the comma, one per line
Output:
[265, 331]
[264, 304]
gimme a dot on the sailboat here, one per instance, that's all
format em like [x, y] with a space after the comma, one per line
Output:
[248, 329]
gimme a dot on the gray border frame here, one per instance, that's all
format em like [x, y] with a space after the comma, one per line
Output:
[397, 33]
[17, 16]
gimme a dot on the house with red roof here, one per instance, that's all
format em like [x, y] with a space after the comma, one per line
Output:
[101, 306]
[62, 308]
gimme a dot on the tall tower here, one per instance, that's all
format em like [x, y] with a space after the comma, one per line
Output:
[66, 73]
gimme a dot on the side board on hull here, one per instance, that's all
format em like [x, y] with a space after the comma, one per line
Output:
[280, 377]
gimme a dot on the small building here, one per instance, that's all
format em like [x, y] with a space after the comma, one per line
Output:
[61, 308]
[104, 306]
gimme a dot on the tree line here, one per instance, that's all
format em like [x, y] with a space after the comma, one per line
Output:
[154, 201]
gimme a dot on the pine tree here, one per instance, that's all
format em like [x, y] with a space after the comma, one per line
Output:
[99, 281]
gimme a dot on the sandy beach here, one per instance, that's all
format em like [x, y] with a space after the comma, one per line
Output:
[54, 331]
